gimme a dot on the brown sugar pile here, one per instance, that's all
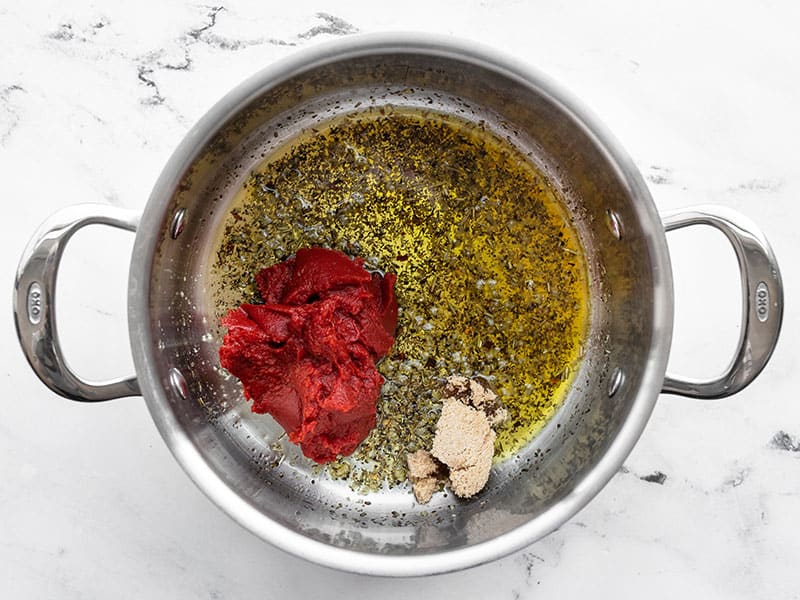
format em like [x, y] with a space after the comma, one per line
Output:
[427, 475]
[463, 444]
[464, 441]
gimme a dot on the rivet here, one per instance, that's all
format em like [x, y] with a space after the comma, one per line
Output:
[178, 383]
[616, 381]
[178, 222]
[614, 223]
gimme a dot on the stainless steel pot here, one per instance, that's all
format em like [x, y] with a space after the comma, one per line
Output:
[228, 452]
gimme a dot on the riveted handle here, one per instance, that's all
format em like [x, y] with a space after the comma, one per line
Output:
[34, 301]
[762, 300]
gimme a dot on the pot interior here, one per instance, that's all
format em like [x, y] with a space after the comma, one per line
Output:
[607, 205]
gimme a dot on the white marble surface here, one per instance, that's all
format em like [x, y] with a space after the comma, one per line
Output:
[704, 95]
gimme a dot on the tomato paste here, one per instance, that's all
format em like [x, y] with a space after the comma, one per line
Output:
[307, 355]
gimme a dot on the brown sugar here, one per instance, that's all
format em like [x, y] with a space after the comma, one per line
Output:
[477, 395]
[427, 475]
[464, 441]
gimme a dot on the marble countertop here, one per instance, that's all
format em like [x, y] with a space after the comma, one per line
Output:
[94, 96]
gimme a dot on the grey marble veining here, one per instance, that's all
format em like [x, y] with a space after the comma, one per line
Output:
[93, 99]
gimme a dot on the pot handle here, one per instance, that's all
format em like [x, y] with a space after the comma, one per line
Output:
[762, 300]
[34, 301]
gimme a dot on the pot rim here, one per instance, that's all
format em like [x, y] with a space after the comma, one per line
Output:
[154, 219]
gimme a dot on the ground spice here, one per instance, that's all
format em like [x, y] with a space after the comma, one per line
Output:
[491, 279]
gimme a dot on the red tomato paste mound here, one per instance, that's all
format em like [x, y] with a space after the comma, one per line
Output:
[307, 355]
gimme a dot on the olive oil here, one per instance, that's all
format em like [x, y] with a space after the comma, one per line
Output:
[491, 278]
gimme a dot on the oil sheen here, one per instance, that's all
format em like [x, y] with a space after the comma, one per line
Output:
[491, 277]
